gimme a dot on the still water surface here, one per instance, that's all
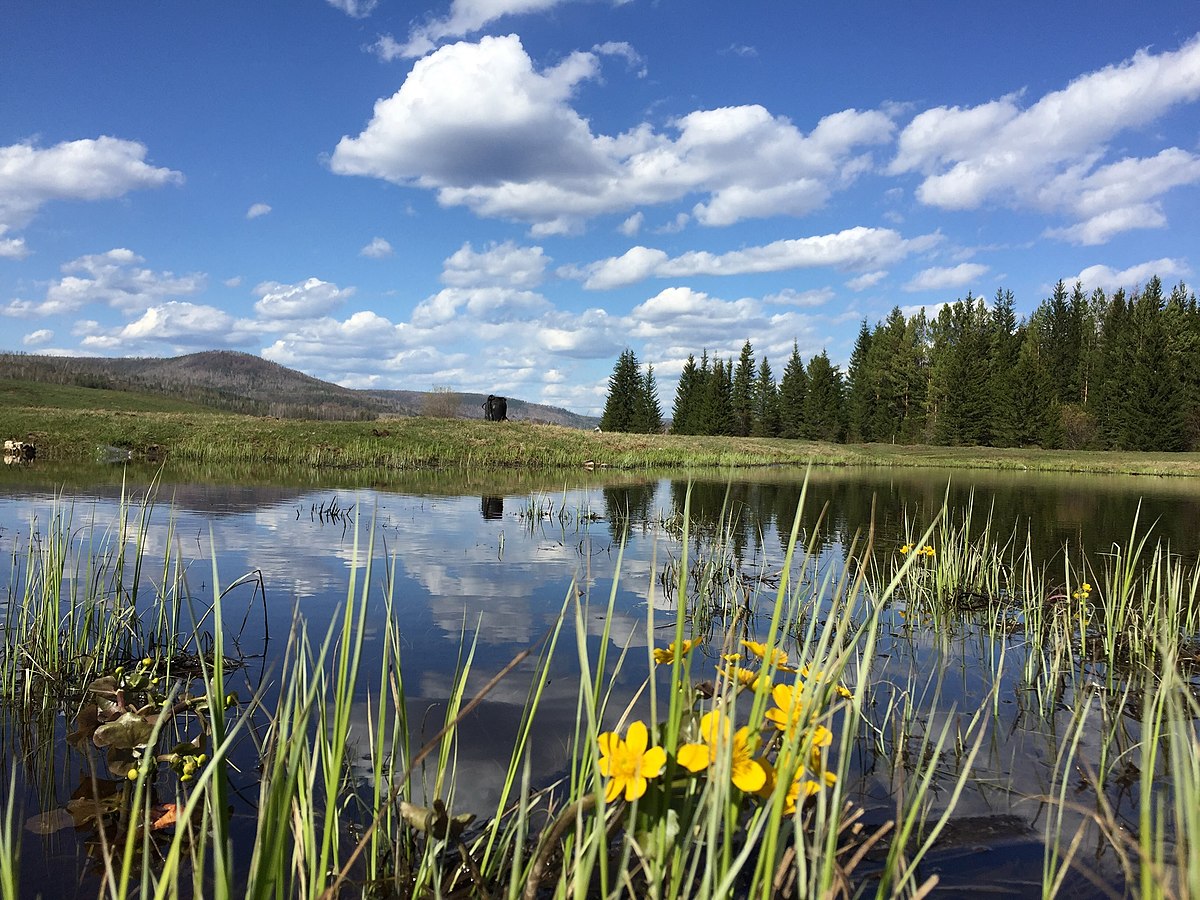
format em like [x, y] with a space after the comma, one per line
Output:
[492, 561]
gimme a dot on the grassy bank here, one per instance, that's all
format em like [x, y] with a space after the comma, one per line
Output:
[79, 433]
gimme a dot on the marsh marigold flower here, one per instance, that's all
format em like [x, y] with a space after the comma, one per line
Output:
[803, 787]
[667, 654]
[927, 550]
[790, 712]
[629, 763]
[907, 548]
[778, 657]
[744, 677]
[746, 772]
[842, 690]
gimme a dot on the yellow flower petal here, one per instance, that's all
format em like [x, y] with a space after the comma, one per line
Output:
[654, 761]
[694, 757]
[636, 738]
[634, 788]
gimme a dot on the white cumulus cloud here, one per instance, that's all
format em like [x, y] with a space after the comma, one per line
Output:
[1101, 276]
[90, 169]
[633, 224]
[178, 325]
[258, 209]
[465, 17]
[378, 248]
[13, 248]
[305, 299]
[356, 9]
[38, 338]
[505, 264]
[852, 248]
[939, 279]
[866, 280]
[115, 279]
[1051, 156]
[481, 126]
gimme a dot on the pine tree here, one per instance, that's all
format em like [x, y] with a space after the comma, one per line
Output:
[743, 392]
[624, 394]
[793, 388]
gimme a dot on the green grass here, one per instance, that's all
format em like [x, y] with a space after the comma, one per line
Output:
[72, 432]
[40, 395]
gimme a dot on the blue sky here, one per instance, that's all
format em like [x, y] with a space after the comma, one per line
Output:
[501, 195]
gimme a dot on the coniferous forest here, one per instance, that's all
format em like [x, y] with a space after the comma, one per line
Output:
[1083, 371]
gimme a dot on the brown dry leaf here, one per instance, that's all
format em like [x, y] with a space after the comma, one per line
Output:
[167, 817]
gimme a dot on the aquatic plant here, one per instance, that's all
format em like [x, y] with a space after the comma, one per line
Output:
[735, 769]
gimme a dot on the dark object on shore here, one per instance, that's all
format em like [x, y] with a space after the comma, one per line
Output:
[495, 409]
[19, 452]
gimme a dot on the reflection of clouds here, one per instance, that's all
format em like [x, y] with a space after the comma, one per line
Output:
[1014, 771]
[459, 577]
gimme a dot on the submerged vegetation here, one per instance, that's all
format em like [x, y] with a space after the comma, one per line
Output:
[792, 732]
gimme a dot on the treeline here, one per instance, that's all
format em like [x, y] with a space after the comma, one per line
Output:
[1084, 371]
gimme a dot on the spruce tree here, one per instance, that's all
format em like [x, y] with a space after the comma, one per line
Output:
[624, 394]
[1154, 419]
[1033, 413]
[861, 390]
[648, 415]
[793, 388]
[766, 403]
[687, 399]
[743, 392]
[824, 404]
[1002, 363]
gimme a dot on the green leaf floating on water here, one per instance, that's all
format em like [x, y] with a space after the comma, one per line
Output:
[130, 730]
[50, 822]
[435, 822]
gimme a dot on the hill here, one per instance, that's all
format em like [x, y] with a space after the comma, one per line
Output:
[237, 382]
[448, 404]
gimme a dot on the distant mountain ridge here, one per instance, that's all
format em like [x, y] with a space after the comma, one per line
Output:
[232, 381]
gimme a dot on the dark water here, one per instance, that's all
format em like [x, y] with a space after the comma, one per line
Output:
[491, 560]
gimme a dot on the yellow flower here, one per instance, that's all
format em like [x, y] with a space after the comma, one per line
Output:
[667, 654]
[841, 689]
[630, 762]
[790, 712]
[789, 709]
[778, 657]
[746, 772]
[907, 548]
[744, 677]
[803, 787]
[927, 550]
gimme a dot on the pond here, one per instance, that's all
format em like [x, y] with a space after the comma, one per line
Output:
[483, 566]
